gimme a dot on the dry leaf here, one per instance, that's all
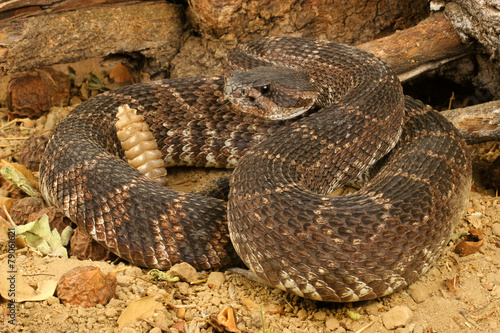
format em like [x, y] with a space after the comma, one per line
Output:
[21, 177]
[38, 235]
[22, 291]
[7, 202]
[451, 284]
[156, 274]
[472, 242]
[143, 307]
[120, 73]
[354, 315]
[227, 320]
[6, 233]
[249, 304]
[488, 287]
[180, 326]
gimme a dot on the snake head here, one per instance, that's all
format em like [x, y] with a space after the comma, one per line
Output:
[270, 92]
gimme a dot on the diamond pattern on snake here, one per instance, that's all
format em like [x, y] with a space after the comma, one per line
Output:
[296, 118]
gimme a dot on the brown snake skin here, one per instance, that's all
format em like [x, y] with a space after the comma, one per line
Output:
[280, 218]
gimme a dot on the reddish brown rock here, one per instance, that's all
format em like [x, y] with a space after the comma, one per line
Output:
[83, 247]
[32, 94]
[32, 151]
[23, 208]
[86, 286]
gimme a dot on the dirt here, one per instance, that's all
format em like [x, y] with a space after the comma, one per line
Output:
[429, 305]
[459, 294]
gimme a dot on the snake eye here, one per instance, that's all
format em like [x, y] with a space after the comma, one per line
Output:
[264, 89]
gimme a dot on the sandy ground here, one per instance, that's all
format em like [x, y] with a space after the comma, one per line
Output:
[429, 305]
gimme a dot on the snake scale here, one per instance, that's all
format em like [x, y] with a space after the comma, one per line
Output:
[300, 117]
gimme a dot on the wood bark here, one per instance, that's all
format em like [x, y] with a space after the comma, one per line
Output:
[150, 29]
[477, 123]
[477, 20]
[423, 47]
[343, 21]
[153, 29]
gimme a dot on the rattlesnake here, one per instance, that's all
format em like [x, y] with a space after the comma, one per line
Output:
[344, 111]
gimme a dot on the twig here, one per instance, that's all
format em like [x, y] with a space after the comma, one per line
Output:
[11, 122]
[5, 255]
[469, 319]
[9, 219]
[362, 329]
[15, 138]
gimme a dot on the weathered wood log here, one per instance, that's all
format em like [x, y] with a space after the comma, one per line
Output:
[29, 41]
[152, 29]
[426, 46]
[478, 20]
[477, 123]
[10, 9]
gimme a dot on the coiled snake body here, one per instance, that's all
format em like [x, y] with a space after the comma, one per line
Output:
[280, 219]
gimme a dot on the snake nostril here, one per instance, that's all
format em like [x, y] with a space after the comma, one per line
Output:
[251, 99]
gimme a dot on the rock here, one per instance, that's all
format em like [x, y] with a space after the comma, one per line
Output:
[83, 247]
[23, 208]
[302, 314]
[495, 229]
[398, 316]
[418, 328]
[86, 286]
[52, 300]
[155, 330]
[34, 93]
[215, 280]
[320, 315]
[418, 293]
[184, 271]
[32, 151]
[111, 312]
[332, 323]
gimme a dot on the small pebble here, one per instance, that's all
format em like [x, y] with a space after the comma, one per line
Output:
[398, 316]
[302, 314]
[28, 305]
[332, 323]
[320, 315]
[50, 124]
[418, 328]
[184, 271]
[495, 229]
[111, 312]
[75, 100]
[133, 271]
[216, 279]
[52, 300]
[155, 330]
[257, 321]
[418, 293]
